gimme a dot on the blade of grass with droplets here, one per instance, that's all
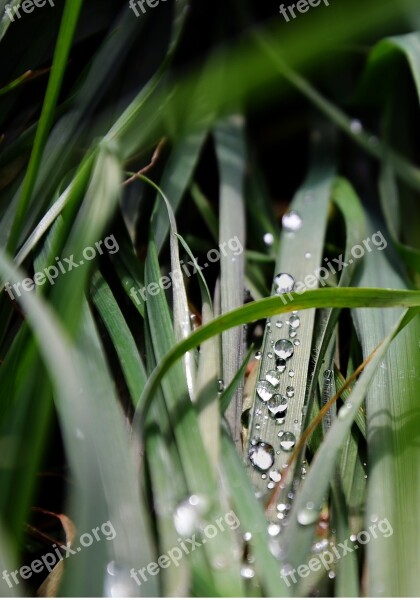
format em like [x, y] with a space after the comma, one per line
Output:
[252, 520]
[231, 154]
[393, 485]
[300, 253]
[335, 298]
[304, 514]
[198, 471]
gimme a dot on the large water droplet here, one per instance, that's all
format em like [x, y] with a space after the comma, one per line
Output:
[283, 283]
[261, 456]
[287, 440]
[280, 365]
[189, 513]
[265, 390]
[277, 406]
[273, 377]
[284, 349]
[292, 221]
[308, 515]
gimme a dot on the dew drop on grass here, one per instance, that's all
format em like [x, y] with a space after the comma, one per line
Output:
[356, 126]
[273, 377]
[273, 529]
[258, 355]
[297, 342]
[294, 321]
[308, 515]
[344, 411]
[292, 221]
[265, 390]
[308, 255]
[220, 386]
[287, 440]
[291, 373]
[261, 456]
[118, 583]
[247, 572]
[270, 355]
[275, 475]
[284, 349]
[292, 332]
[280, 365]
[279, 324]
[277, 406]
[283, 283]
[268, 239]
[290, 391]
[189, 513]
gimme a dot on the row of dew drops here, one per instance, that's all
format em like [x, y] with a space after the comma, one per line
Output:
[261, 453]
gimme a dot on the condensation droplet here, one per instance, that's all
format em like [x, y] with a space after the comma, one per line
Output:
[308, 255]
[275, 475]
[292, 221]
[291, 373]
[356, 126]
[279, 324]
[261, 456]
[268, 239]
[284, 349]
[290, 391]
[265, 390]
[273, 377]
[294, 321]
[280, 365]
[277, 406]
[287, 440]
[258, 355]
[283, 283]
[297, 342]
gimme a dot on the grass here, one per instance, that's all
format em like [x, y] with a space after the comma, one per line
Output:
[129, 394]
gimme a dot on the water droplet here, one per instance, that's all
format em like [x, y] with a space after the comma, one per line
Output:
[284, 349]
[279, 324]
[189, 514]
[374, 518]
[283, 283]
[220, 386]
[308, 515]
[247, 536]
[268, 239]
[264, 476]
[277, 406]
[290, 391]
[118, 583]
[247, 572]
[258, 355]
[356, 126]
[273, 378]
[265, 390]
[292, 221]
[273, 529]
[294, 321]
[281, 507]
[344, 411]
[297, 342]
[292, 333]
[262, 456]
[291, 373]
[287, 440]
[353, 538]
[280, 365]
[275, 475]
[270, 355]
[331, 574]
[308, 255]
